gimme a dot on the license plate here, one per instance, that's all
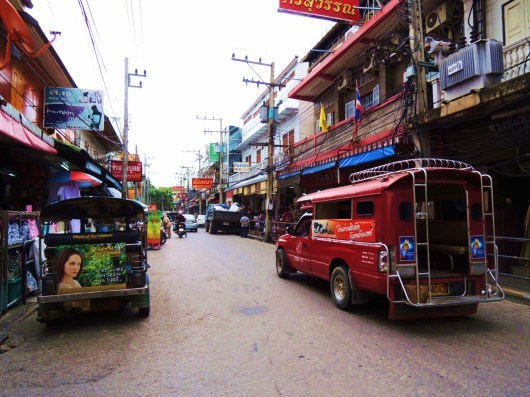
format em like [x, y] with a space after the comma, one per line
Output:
[83, 305]
[439, 289]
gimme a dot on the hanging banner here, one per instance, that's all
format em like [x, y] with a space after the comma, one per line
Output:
[201, 183]
[73, 108]
[134, 170]
[345, 10]
[154, 226]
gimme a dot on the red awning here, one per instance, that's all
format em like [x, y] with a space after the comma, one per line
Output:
[17, 132]
[326, 72]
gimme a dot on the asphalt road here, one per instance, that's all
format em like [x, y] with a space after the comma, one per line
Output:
[223, 324]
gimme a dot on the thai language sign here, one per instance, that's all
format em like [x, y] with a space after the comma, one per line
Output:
[134, 170]
[345, 229]
[154, 227]
[240, 166]
[201, 183]
[215, 149]
[345, 10]
[73, 108]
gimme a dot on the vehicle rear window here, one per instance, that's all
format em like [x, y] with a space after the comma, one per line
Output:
[405, 211]
[333, 210]
[365, 208]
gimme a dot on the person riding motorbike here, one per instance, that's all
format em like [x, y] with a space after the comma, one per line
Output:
[181, 231]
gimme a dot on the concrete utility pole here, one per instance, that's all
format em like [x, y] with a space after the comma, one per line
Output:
[220, 187]
[125, 161]
[270, 142]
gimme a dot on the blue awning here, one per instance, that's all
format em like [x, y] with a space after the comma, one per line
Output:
[318, 168]
[285, 176]
[366, 157]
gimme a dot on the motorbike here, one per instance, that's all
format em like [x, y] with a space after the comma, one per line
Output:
[163, 236]
[181, 229]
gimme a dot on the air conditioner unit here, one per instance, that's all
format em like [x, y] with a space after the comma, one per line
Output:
[370, 65]
[345, 81]
[441, 16]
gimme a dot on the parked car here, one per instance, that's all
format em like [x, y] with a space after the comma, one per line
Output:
[201, 220]
[191, 223]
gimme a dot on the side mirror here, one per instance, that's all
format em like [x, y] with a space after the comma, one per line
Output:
[289, 230]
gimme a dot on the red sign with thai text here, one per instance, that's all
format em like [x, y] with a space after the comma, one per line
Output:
[201, 183]
[345, 10]
[134, 170]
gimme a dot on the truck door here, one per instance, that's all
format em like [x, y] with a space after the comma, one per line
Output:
[301, 254]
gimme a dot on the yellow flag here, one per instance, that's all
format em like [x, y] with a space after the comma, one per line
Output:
[323, 120]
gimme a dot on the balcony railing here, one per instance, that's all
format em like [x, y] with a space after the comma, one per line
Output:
[516, 59]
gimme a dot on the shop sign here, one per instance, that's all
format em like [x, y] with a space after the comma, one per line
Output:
[240, 166]
[73, 108]
[201, 183]
[229, 195]
[134, 170]
[345, 10]
[182, 195]
[178, 189]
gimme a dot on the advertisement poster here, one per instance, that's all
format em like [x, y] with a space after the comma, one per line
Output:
[73, 108]
[90, 267]
[406, 248]
[154, 226]
[358, 230]
[476, 244]
[201, 183]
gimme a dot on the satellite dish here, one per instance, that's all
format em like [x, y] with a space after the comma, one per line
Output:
[18, 33]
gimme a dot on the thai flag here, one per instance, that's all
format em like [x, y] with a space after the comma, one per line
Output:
[358, 105]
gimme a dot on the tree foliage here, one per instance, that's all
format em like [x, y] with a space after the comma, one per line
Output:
[163, 197]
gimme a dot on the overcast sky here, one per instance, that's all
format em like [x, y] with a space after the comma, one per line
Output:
[186, 49]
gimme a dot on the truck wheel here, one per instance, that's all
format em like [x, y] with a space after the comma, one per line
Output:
[340, 288]
[213, 228]
[282, 269]
[144, 311]
[207, 227]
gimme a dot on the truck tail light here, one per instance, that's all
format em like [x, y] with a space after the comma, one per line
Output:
[383, 263]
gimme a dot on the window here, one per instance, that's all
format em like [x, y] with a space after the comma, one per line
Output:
[350, 109]
[333, 210]
[303, 227]
[330, 119]
[258, 156]
[248, 159]
[371, 99]
[365, 208]
[405, 211]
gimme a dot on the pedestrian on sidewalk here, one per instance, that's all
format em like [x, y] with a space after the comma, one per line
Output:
[245, 224]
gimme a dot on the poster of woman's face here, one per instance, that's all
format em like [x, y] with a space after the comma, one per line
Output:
[91, 265]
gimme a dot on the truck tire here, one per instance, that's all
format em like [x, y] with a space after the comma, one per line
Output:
[340, 288]
[213, 228]
[207, 227]
[282, 268]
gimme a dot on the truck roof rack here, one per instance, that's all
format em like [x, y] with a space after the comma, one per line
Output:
[409, 164]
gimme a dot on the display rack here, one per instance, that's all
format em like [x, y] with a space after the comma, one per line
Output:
[17, 235]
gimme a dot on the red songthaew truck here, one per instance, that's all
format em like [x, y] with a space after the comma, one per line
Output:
[419, 231]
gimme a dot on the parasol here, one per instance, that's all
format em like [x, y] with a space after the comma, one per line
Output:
[84, 180]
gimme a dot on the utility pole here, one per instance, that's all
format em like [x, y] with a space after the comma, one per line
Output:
[220, 187]
[270, 141]
[146, 187]
[125, 162]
